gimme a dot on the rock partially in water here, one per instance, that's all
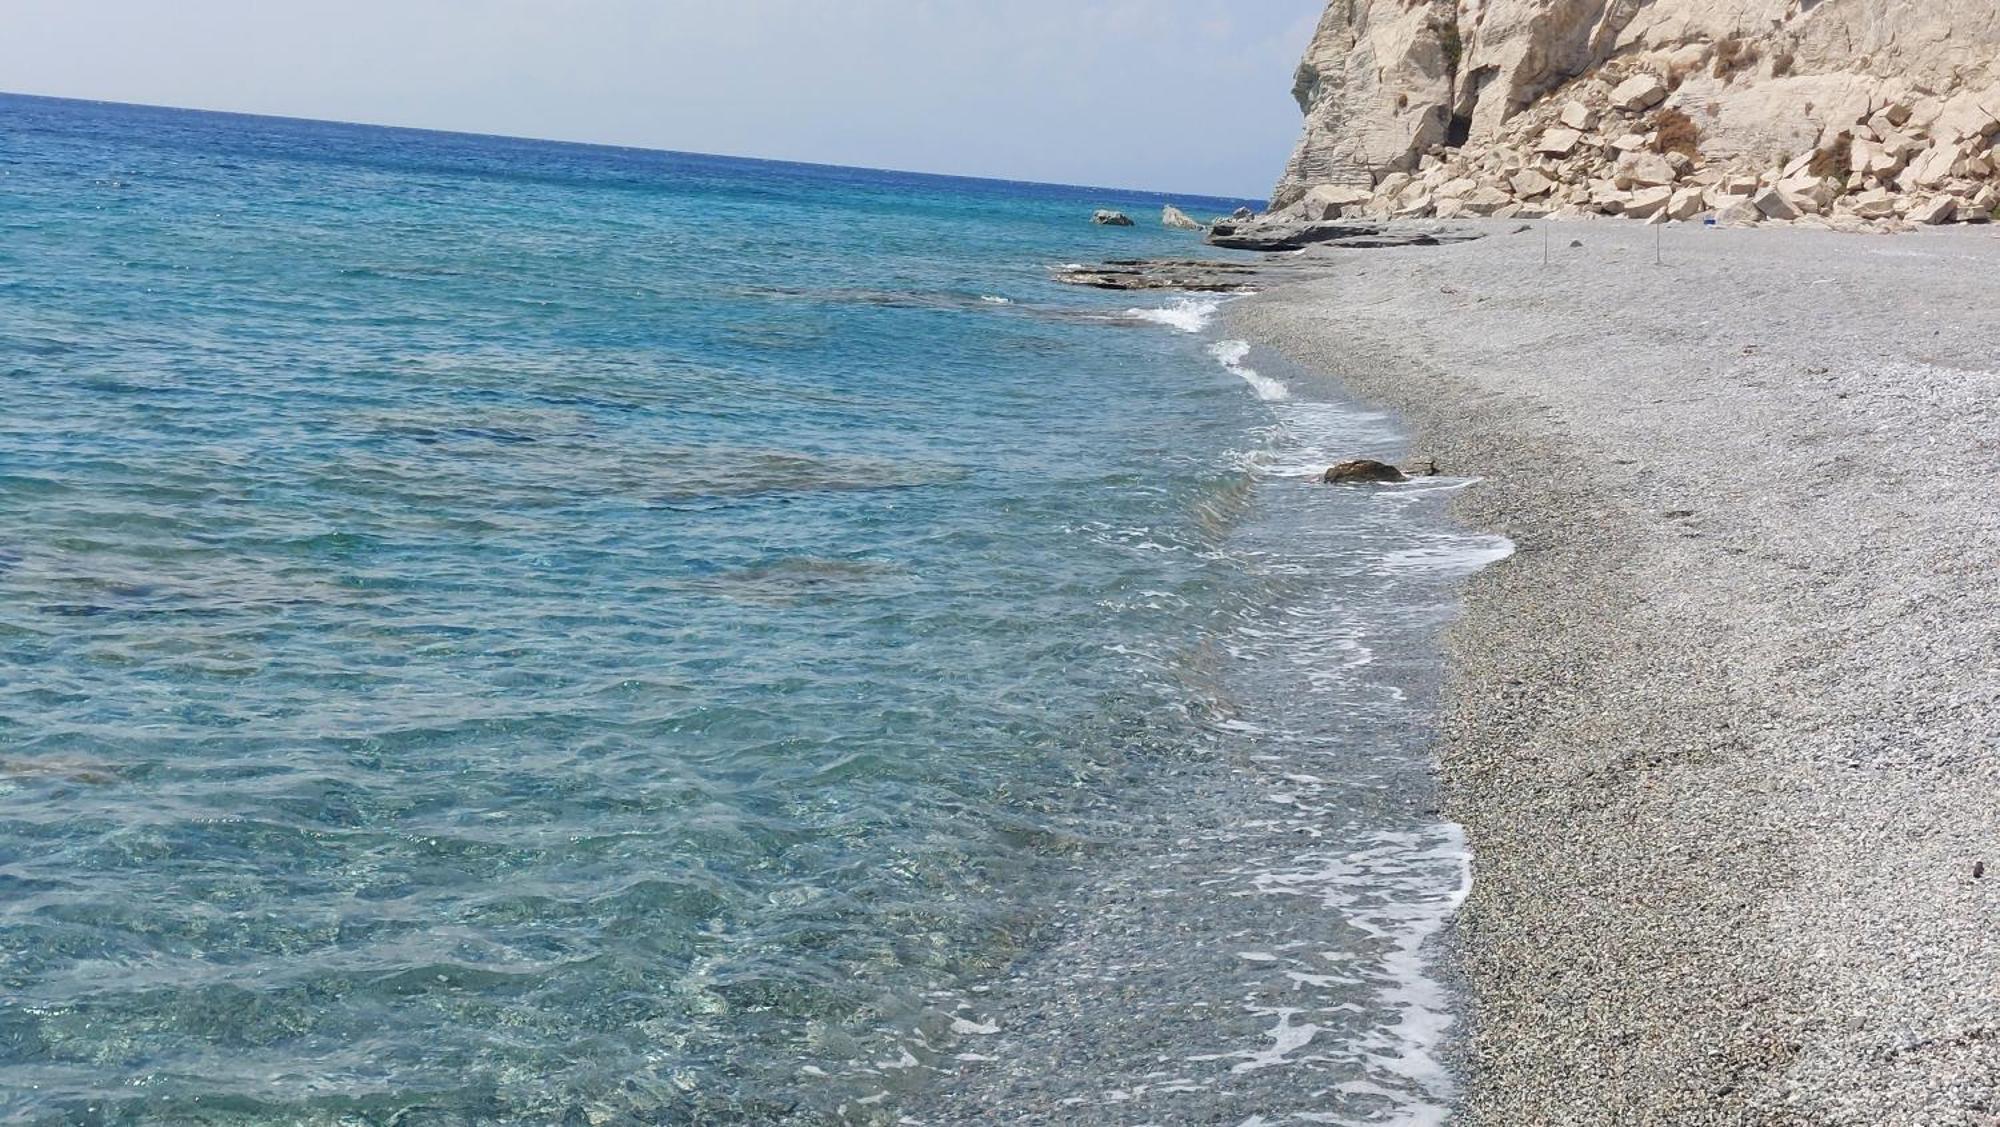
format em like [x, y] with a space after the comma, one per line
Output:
[1363, 470]
[1171, 216]
[1191, 275]
[1105, 217]
[1282, 233]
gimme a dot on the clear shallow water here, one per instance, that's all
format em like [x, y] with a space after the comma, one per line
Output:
[508, 632]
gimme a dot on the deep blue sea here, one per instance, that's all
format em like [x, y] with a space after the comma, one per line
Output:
[496, 631]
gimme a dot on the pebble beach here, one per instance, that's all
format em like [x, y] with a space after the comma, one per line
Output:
[1724, 732]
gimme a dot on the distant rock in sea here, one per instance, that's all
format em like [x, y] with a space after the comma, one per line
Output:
[1171, 216]
[1108, 218]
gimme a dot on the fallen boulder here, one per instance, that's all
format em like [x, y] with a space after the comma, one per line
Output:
[1774, 205]
[1648, 202]
[1108, 218]
[1327, 201]
[1171, 216]
[1640, 92]
[1937, 209]
[1559, 142]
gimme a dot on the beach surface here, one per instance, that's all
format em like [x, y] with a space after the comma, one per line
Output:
[1725, 731]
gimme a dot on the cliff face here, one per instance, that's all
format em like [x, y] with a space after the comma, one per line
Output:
[1547, 106]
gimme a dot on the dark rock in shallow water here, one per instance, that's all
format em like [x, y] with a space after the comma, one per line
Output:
[1191, 275]
[1363, 469]
[1108, 218]
[1237, 275]
[1275, 234]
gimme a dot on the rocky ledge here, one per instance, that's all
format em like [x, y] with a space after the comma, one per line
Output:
[1262, 233]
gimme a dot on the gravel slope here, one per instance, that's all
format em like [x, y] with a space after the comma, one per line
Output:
[1725, 732]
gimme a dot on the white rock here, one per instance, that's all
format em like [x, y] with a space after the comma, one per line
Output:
[1901, 146]
[1744, 214]
[1558, 142]
[1485, 201]
[1578, 116]
[1529, 183]
[1686, 204]
[1876, 203]
[1647, 170]
[1872, 158]
[1640, 92]
[1328, 200]
[1936, 210]
[1966, 115]
[1774, 205]
[1417, 207]
[1808, 194]
[1648, 202]
[1933, 167]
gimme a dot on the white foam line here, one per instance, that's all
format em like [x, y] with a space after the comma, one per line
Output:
[1188, 314]
[1231, 354]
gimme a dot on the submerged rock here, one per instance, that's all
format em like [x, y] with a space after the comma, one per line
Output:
[1105, 217]
[1363, 470]
[1171, 216]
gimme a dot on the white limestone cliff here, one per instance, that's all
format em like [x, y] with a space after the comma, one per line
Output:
[1838, 111]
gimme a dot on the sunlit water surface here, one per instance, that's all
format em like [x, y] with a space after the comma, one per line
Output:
[494, 631]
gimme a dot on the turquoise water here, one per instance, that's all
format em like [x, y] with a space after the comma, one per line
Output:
[494, 631]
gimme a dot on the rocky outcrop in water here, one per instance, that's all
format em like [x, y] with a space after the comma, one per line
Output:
[1171, 216]
[1108, 218]
[1848, 113]
[1362, 470]
[1286, 232]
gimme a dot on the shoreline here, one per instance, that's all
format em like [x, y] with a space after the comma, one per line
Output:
[1722, 730]
[1267, 951]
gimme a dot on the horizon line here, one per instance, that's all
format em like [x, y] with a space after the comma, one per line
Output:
[1260, 200]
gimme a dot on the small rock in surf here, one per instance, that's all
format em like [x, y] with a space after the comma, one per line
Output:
[1363, 469]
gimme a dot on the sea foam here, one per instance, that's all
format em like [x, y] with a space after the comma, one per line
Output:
[1187, 314]
[1232, 354]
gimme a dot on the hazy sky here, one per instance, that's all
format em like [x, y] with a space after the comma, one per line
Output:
[1173, 95]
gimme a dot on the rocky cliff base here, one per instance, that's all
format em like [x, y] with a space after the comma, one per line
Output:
[1853, 114]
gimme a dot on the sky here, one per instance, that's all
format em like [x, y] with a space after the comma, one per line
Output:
[1170, 95]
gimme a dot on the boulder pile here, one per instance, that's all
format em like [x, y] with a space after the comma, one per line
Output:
[1613, 145]
[1854, 114]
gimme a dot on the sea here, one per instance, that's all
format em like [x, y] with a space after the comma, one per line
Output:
[500, 631]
